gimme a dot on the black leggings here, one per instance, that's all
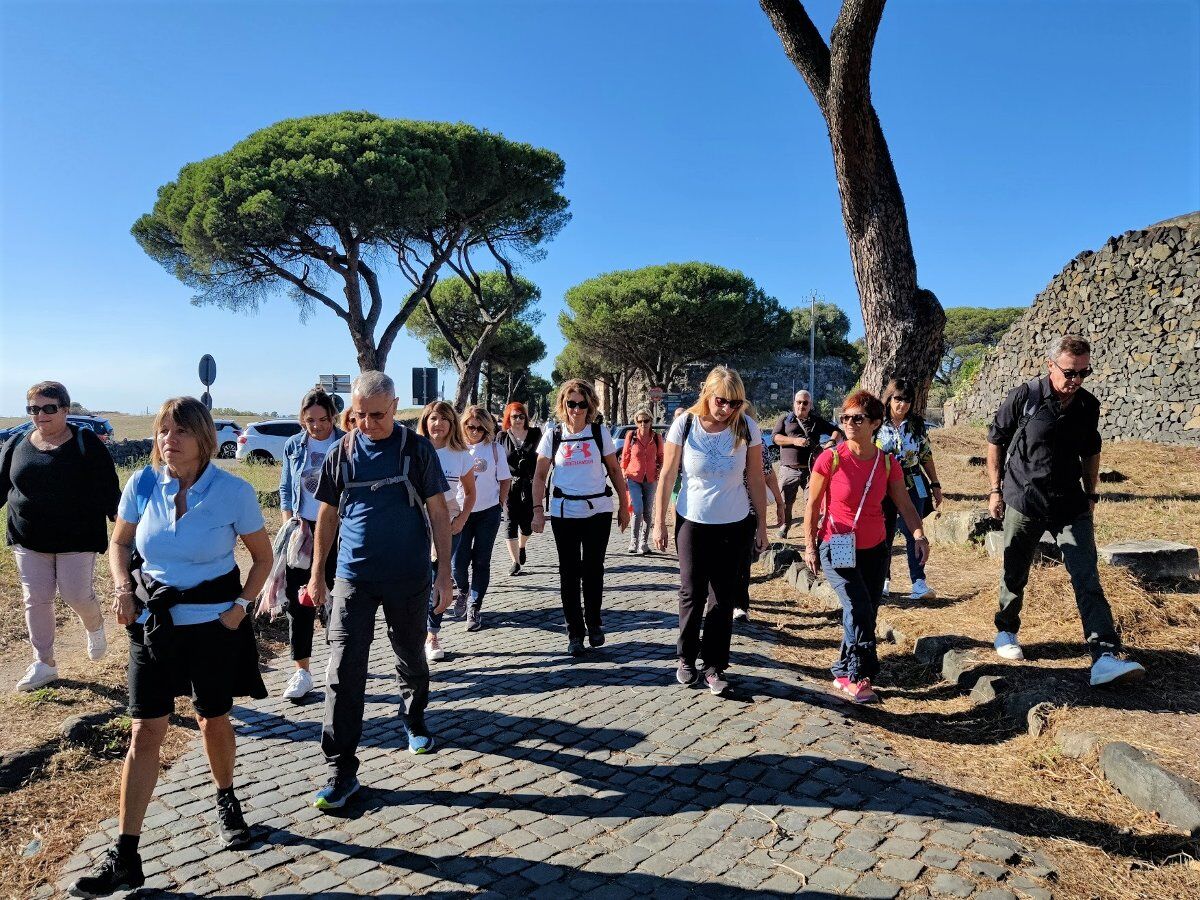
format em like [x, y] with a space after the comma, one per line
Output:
[709, 556]
[520, 511]
[581, 545]
[301, 618]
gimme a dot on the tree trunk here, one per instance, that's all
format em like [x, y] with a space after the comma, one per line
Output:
[370, 358]
[903, 322]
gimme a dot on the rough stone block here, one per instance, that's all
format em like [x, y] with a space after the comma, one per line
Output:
[779, 557]
[959, 667]
[989, 687]
[930, 648]
[961, 526]
[1153, 560]
[1077, 744]
[1151, 787]
[78, 729]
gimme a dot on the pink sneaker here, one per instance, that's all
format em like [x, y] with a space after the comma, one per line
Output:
[842, 683]
[862, 692]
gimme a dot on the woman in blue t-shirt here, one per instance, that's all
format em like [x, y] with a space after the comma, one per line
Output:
[181, 597]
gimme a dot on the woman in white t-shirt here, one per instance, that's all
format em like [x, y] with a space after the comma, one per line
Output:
[584, 459]
[439, 423]
[719, 450]
[303, 456]
[492, 481]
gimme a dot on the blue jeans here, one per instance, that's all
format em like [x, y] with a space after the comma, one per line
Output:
[435, 619]
[641, 498]
[860, 589]
[893, 521]
[475, 550]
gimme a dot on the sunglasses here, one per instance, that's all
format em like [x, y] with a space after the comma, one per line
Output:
[49, 409]
[475, 428]
[1069, 374]
[803, 403]
[857, 419]
[517, 416]
[643, 421]
[732, 404]
[577, 404]
[901, 399]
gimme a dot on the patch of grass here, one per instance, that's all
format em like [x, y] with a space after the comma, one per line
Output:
[42, 696]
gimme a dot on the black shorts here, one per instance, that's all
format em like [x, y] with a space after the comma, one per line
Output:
[520, 515]
[198, 662]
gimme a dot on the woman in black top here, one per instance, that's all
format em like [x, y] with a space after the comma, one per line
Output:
[520, 442]
[60, 484]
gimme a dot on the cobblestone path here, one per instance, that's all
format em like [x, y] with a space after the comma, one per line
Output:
[601, 777]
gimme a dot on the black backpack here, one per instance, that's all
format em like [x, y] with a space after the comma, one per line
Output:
[556, 439]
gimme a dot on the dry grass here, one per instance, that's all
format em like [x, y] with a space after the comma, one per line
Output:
[1106, 846]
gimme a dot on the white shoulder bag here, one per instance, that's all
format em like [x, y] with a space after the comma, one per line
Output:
[842, 547]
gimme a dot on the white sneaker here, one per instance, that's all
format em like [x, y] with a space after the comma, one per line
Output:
[1007, 646]
[740, 615]
[1110, 670]
[298, 687]
[921, 591]
[36, 675]
[434, 651]
[97, 643]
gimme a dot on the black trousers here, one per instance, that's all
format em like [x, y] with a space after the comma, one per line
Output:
[581, 545]
[709, 556]
[520, 510]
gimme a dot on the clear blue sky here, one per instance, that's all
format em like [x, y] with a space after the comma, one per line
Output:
[1023, 132]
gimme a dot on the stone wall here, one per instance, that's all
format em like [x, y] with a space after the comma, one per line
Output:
[1135, 300]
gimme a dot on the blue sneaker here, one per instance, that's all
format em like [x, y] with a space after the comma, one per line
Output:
[419, 739]
[336, 792]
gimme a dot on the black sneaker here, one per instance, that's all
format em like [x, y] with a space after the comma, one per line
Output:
[515, 570]
[596, 638]
[336, 792]
[112, 873]
[234, 830]
[521, 556]
[575, 647]
[475, 616]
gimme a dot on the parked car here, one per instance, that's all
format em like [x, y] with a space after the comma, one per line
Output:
[228, 432]
[620, 432]
[101, 426]
[263, 441]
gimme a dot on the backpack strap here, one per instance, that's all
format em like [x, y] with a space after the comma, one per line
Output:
[1033, 402]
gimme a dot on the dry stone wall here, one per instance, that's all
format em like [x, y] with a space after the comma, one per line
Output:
[1136, 300]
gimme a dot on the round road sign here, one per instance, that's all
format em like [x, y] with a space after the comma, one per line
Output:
[208, 370]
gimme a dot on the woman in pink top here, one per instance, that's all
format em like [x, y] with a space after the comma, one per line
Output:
[849, 483]
[641, 460]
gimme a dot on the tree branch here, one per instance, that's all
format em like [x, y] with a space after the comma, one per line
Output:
[802, 43]
[428, 280]
[852, 45]
[300, 282]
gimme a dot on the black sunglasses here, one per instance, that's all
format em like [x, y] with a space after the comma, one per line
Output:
[1066, 373]
[517, 416]
[857, 419]
[475, 428]
[732, 404]
[577, 404]
[49, 409]
[643, 421]
[900, 398]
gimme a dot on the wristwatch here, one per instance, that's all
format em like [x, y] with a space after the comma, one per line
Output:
[243, 603]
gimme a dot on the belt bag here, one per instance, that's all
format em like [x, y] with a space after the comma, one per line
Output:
[843, 550]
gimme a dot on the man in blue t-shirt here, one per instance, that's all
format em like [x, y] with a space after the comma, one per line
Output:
[384, 487]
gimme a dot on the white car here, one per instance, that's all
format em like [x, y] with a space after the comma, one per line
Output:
[228, 432]
[263, 441]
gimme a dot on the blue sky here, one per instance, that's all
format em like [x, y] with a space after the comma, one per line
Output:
[1023, 132]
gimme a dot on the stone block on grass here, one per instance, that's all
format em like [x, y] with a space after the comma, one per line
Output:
[961, 526]
[1149, 786]
[961, 667]
[989, 687]
[1153, 560]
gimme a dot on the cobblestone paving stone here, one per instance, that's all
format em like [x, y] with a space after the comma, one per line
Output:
[560, 778]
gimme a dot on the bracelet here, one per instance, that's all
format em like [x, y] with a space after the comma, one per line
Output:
[995, 491]
[936, 484]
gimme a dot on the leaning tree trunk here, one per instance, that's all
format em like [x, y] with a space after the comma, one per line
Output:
[903, 322]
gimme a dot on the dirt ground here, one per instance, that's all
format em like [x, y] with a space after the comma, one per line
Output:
[1107, 847]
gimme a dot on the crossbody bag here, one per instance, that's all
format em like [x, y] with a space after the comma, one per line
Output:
[843, 551]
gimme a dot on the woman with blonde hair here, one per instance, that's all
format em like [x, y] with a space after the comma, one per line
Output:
[439, 423]
[584, 459]
[492, 480]
[181, 596]
[719, 450]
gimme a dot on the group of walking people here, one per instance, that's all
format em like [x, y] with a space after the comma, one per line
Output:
[383, 516]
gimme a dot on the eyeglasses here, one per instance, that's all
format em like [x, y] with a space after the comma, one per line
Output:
[803, 403]
[577, 404]
[49, 409]
[475, 428]
[732, 404]
[901, 399]
[643, 421]
[517, 416]
[857, 419]
[1066, 373]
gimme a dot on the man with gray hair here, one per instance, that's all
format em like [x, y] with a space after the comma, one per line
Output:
[799, 435]
[1044, 465]
[383, 487]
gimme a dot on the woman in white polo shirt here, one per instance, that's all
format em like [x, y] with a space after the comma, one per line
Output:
[584, 459]
[719, 449]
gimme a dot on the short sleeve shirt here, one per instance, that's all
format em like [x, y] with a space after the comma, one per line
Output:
[384, 537]
[814, 428]
[845, 492]
[455, 464]
[578, 471]
[489, 462]
[713, 488]
[908, 446]
[199, 545]
[310, 473]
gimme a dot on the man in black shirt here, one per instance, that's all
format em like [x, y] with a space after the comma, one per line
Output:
[798, 436]
[1044, 463]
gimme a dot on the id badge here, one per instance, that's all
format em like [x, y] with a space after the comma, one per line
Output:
[922, 491]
